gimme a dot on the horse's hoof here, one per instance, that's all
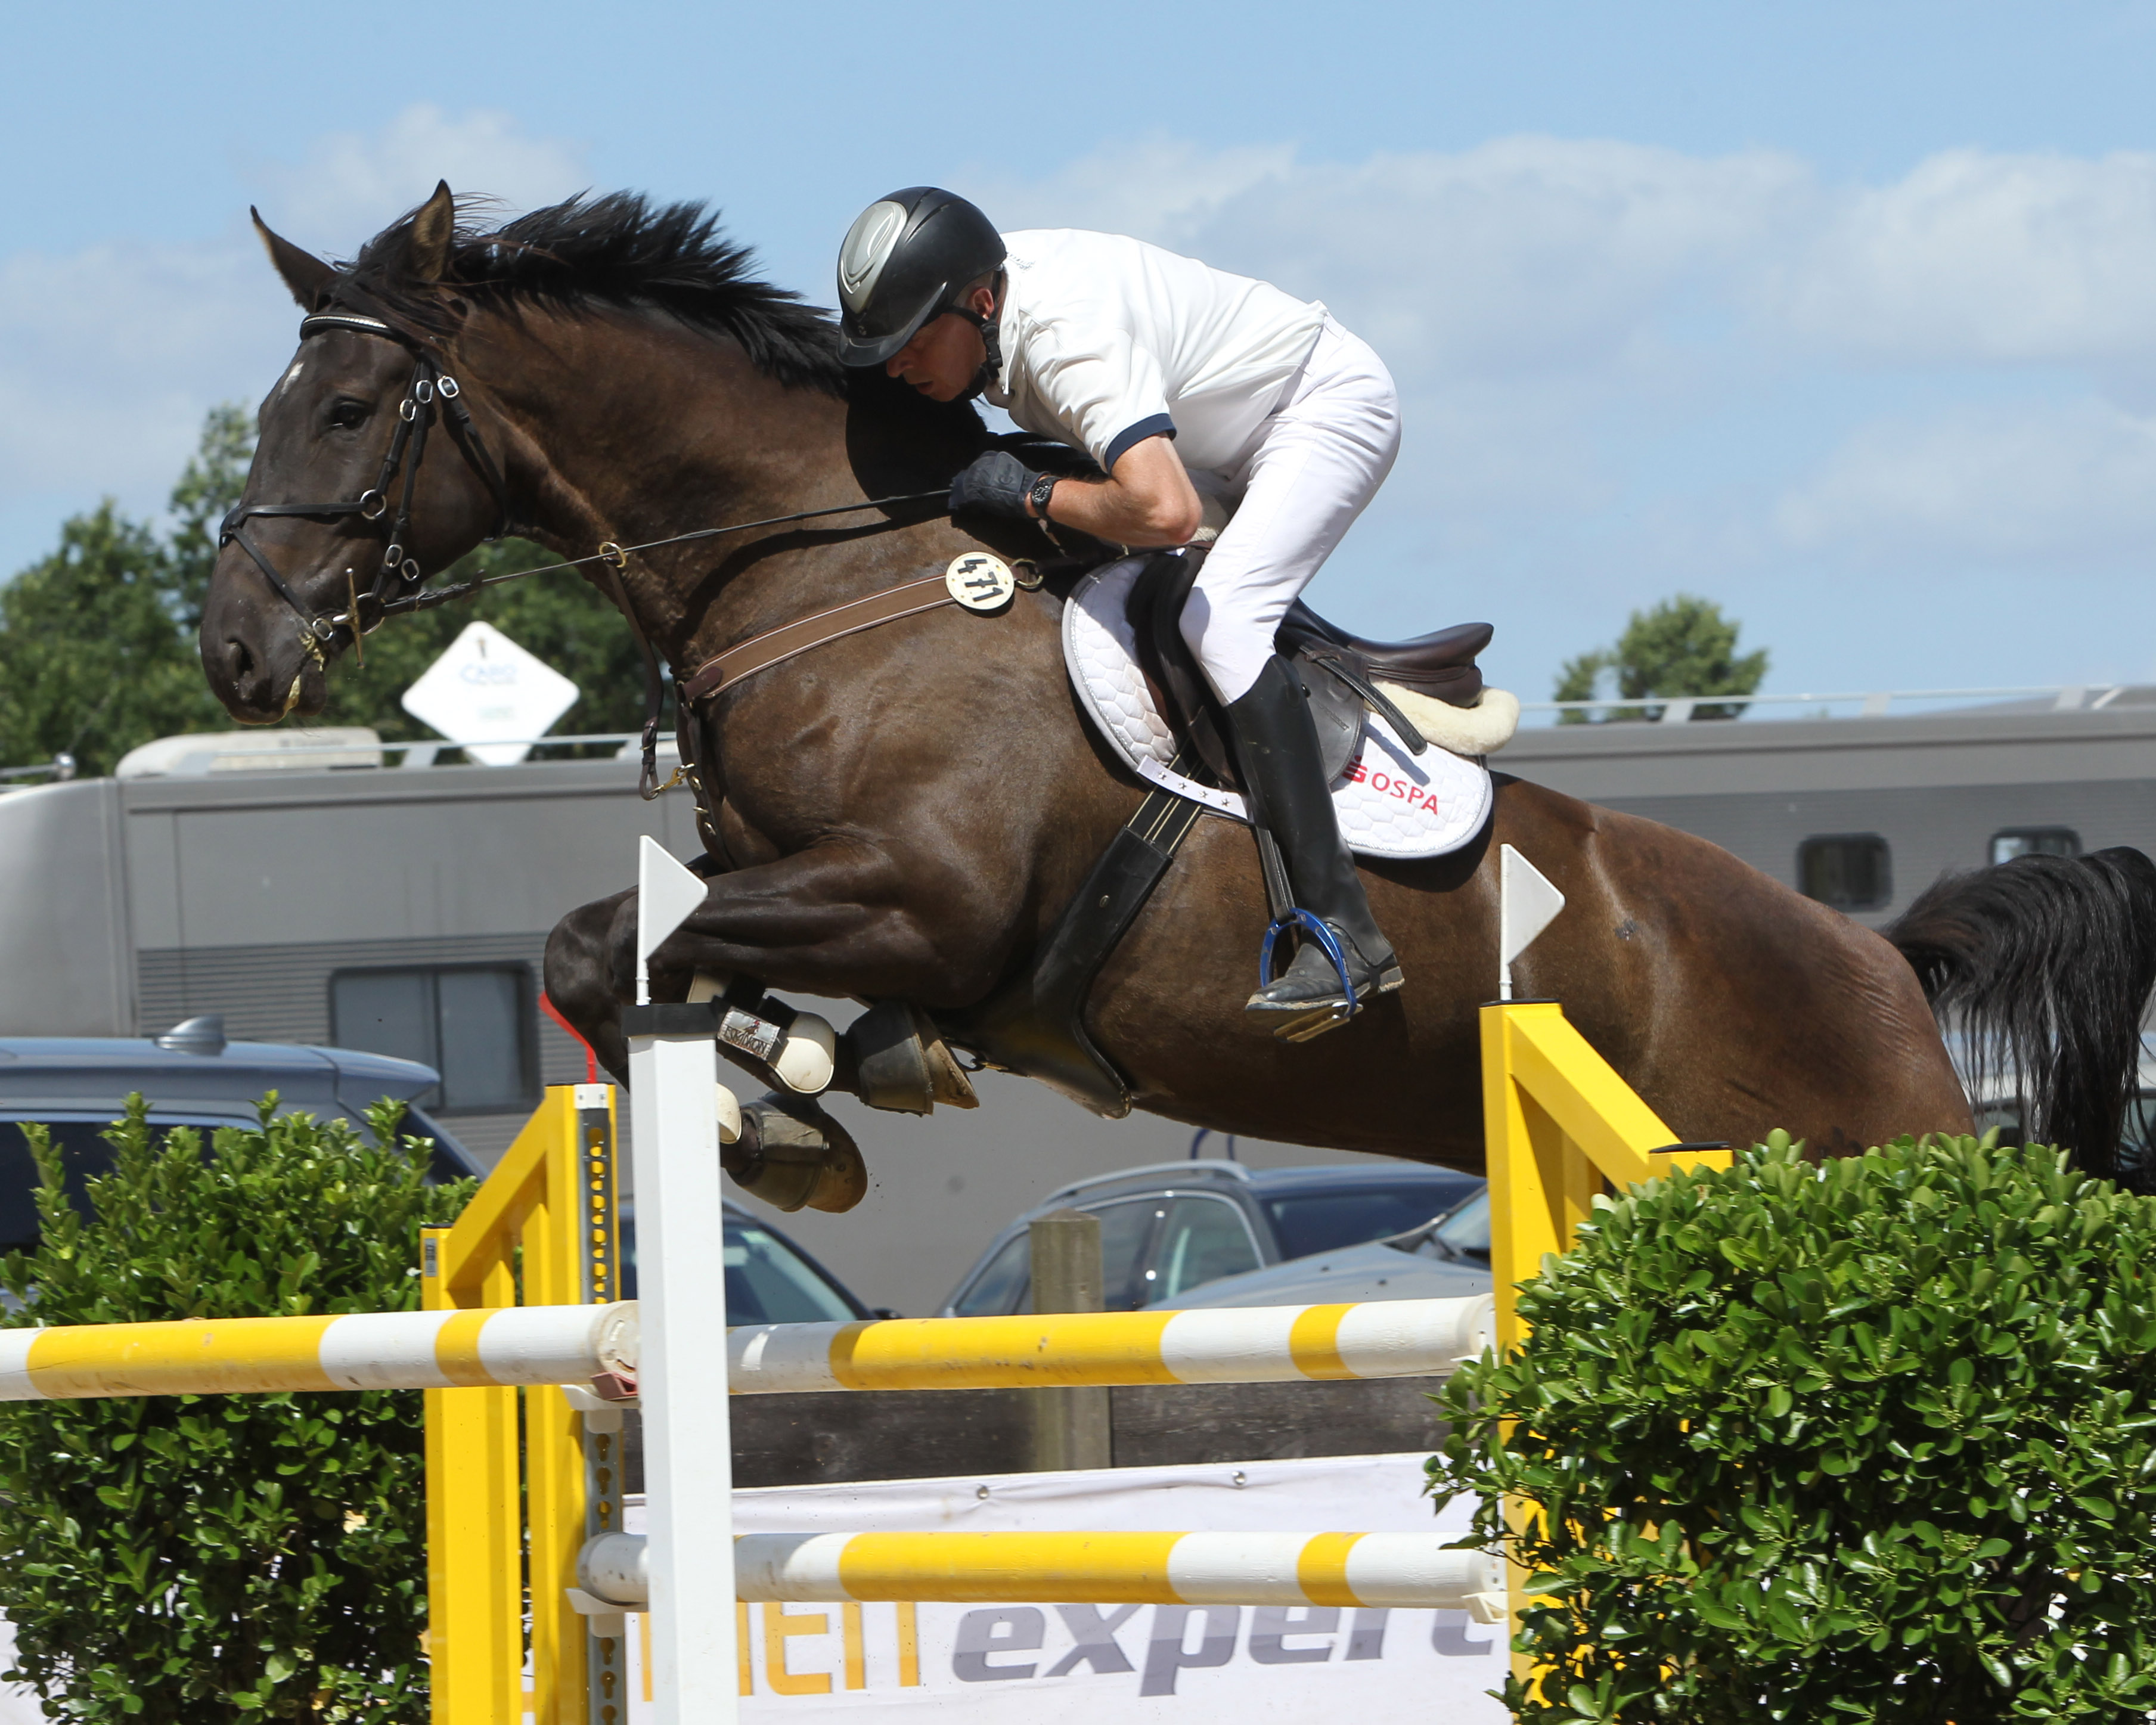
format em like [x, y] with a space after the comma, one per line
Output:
[901, 1063]
[793, 1155]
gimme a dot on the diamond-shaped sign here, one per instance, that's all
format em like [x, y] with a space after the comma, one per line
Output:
[484, 686]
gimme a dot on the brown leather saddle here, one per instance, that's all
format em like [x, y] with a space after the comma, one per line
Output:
[1339, 671]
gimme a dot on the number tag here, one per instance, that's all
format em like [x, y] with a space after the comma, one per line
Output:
[979, 581]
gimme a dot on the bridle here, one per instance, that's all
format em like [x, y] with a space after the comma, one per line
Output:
[431, 389]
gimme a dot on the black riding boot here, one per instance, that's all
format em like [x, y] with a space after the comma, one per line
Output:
[1283, 776]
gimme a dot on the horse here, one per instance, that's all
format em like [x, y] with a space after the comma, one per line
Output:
[900, 816]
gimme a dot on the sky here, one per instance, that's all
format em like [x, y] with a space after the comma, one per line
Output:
[1842, 316]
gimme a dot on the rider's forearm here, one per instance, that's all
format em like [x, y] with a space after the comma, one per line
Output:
[1147, 501]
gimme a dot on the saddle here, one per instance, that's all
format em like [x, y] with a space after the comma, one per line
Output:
[1341, 673]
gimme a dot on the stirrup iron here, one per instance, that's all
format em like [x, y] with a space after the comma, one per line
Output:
[1314, 1023]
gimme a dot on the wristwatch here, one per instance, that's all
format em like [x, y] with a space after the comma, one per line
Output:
[1043, 488]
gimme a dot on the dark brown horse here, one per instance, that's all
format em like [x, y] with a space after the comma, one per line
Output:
[903, 815]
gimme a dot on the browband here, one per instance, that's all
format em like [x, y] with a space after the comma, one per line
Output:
[316, 323]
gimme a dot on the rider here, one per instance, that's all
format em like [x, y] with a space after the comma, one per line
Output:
[1174, 377]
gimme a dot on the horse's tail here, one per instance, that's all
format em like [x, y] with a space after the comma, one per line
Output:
[2044, 964]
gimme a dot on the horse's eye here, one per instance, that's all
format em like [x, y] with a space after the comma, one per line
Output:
[348, 415]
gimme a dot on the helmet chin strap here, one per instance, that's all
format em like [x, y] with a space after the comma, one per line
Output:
[991, 340]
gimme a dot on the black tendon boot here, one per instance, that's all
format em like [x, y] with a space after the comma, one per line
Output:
[1284, 776]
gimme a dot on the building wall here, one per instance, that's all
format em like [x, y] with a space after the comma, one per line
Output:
[1936, 789]
[1931, 831]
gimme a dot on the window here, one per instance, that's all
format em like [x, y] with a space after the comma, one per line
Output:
[1463, 1234]
[83, 1154]
[475, 1025]
[1124, 1228]
[1201, 1240]
[1851, 871]
[1309, 1222]
[1004, 1286]
[768, 1283]
[2035, 841]
[769, 1280]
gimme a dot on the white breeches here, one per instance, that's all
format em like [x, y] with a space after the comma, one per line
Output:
[1315, 464]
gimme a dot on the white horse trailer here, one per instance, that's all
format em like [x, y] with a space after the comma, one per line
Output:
[403, 911]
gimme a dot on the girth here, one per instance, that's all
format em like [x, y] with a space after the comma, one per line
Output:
[1035, 1022]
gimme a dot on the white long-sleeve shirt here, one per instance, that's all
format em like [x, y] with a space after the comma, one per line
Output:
[1107, 340]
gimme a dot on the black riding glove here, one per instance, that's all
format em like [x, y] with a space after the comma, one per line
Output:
[996, 483]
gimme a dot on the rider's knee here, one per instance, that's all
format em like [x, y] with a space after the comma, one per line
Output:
[1197, 616]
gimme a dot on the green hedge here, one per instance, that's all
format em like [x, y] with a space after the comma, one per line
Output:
[1870, 1439]
[184, 1558]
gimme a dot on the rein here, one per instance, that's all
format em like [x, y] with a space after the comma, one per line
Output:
[431, 386]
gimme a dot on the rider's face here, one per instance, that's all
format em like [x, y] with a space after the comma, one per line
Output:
[946, 354]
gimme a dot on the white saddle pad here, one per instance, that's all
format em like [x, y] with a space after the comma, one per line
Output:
[1389, 802]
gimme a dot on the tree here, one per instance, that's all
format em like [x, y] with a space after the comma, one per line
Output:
[97, 640]
[1859, 1440]
[174, 1559]
[92, 657]
[1683, 646]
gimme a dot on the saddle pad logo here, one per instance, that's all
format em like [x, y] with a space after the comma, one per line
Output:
[979, 581]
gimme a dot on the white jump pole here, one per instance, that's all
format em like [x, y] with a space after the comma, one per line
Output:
[680, 1227]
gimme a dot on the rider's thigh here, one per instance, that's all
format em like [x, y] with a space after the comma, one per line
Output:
[1319, 462]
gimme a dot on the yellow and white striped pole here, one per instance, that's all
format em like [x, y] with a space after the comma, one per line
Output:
[492, 1347]
[1255, 1344]
[1406, 1570]
[498, 1346]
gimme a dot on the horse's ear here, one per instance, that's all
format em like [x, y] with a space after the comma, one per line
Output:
[432, 227]
[306, 276]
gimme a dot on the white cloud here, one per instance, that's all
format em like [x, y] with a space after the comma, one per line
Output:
[350, 184]
[1625, 368]
[2038, 483]
[110, 356]
[1147, 188]
[1976, 257]
[1524, 256]
[1561, 313]
[1534, 254]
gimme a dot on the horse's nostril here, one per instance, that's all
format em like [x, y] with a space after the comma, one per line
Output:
[239, 660]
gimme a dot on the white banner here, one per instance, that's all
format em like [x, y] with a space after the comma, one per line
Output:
[1043, 1664]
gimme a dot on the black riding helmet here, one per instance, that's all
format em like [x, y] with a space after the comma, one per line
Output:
[904, 260]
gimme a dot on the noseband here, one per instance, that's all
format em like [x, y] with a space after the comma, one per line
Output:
[431, 388]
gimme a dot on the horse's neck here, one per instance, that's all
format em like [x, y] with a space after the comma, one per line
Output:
[644, 430]
[651, 433]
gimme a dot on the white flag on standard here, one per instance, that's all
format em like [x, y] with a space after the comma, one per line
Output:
[1526, 904]
[488, 694]
[666, 893]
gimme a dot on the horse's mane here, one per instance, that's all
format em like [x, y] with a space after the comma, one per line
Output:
[616, 249]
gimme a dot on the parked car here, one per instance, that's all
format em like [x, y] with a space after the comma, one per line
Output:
[1173, 1227]
[1442, 1260]
[78, 1085]
[769, 1279]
